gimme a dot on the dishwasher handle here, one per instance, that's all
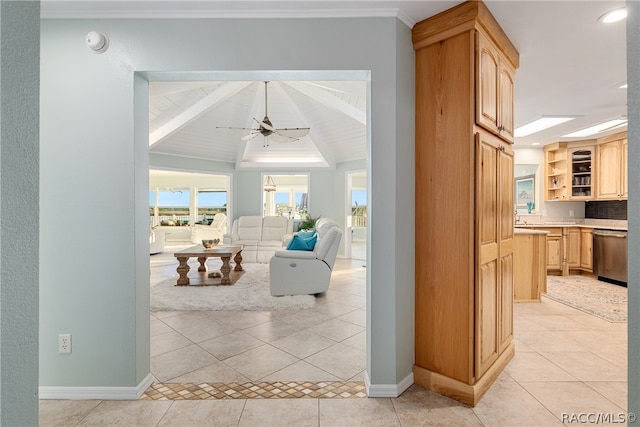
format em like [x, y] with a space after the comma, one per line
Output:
[609, 234]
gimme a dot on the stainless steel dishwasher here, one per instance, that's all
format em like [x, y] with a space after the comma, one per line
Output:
[610, 255]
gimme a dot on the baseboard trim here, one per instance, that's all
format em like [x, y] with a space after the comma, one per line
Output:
[96, 393]
[469, 394]
[387, 390]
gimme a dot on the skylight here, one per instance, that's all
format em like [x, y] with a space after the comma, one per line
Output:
[545, 122]
[609, 125]
[614, 16]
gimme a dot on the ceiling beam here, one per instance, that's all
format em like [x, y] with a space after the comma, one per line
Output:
[172, 88]
[196, 110]
[330, 101]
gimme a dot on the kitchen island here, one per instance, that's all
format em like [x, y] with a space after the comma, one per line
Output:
[529, 264]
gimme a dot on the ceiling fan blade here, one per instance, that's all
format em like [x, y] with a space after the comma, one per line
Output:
[250, 136]
[230, 127]
[278, 137]
[293, 132]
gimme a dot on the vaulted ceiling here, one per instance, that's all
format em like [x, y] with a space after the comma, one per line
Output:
[211, 120]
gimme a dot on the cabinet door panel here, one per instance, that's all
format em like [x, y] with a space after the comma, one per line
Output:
[573, 256]
[487, 85]
[624, 189]
[554, 253]
[608, 170]
[487, 317]
[506, 193]
[487, 196]
[506, 301]
[586, 250]
[505, 101]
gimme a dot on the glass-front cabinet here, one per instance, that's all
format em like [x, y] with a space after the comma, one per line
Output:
[581, 172]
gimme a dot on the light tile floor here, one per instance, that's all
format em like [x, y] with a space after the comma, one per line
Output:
[567, 363]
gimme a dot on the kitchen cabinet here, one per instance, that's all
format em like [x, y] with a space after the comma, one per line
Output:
[495, 89]
[573, 247]
[586, 249]
[555, 253]
[569, 249]
[464, 204]
[569, 170]
[581, 172]
[555, 171]
[611, 182]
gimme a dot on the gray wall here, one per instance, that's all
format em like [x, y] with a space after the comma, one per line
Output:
[93, 175]
[633, 105]
[19, 83]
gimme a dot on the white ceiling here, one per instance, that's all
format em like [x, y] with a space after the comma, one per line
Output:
[570, 64]
[193, 119]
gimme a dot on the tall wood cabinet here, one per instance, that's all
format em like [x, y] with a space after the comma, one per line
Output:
[465, 66]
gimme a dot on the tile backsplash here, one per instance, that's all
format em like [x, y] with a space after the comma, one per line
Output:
[614, 209]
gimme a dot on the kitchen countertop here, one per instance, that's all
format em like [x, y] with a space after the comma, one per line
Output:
[568, 224]
[529, 231]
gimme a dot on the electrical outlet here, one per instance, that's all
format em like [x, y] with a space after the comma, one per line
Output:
[64, 343]
[571, 213]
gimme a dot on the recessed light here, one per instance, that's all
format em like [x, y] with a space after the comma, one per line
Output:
[535, 143]
[597, 128]
[545, 122]
[614, 16]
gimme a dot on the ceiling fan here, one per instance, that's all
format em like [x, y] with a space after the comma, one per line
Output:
[266, 128]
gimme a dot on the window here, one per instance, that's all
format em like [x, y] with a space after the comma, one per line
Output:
[210, 202]
[172, 206]
[359, 208]
[290, 199]
[283, 206]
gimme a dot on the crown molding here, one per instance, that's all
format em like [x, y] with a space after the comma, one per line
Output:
[123, 10]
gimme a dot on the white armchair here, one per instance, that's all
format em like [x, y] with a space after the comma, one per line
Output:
[156, 242]
[215, 230]
[295, 272]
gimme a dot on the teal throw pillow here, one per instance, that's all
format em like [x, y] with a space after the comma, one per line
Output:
[306, 234]
[298, 243]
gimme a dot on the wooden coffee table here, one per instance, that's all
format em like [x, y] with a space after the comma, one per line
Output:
[224, 252]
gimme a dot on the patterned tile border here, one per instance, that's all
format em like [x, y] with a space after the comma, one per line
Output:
[250, 390]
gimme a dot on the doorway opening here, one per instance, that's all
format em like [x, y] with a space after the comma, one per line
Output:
[236, 346]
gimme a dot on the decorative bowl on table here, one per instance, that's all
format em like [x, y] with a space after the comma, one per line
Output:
[210, 243]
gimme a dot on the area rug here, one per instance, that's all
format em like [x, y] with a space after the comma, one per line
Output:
[587, 294]
[249, 293]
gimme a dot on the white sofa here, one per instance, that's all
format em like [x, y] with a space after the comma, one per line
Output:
[215, 230]
[297, 272]
[261, 237]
